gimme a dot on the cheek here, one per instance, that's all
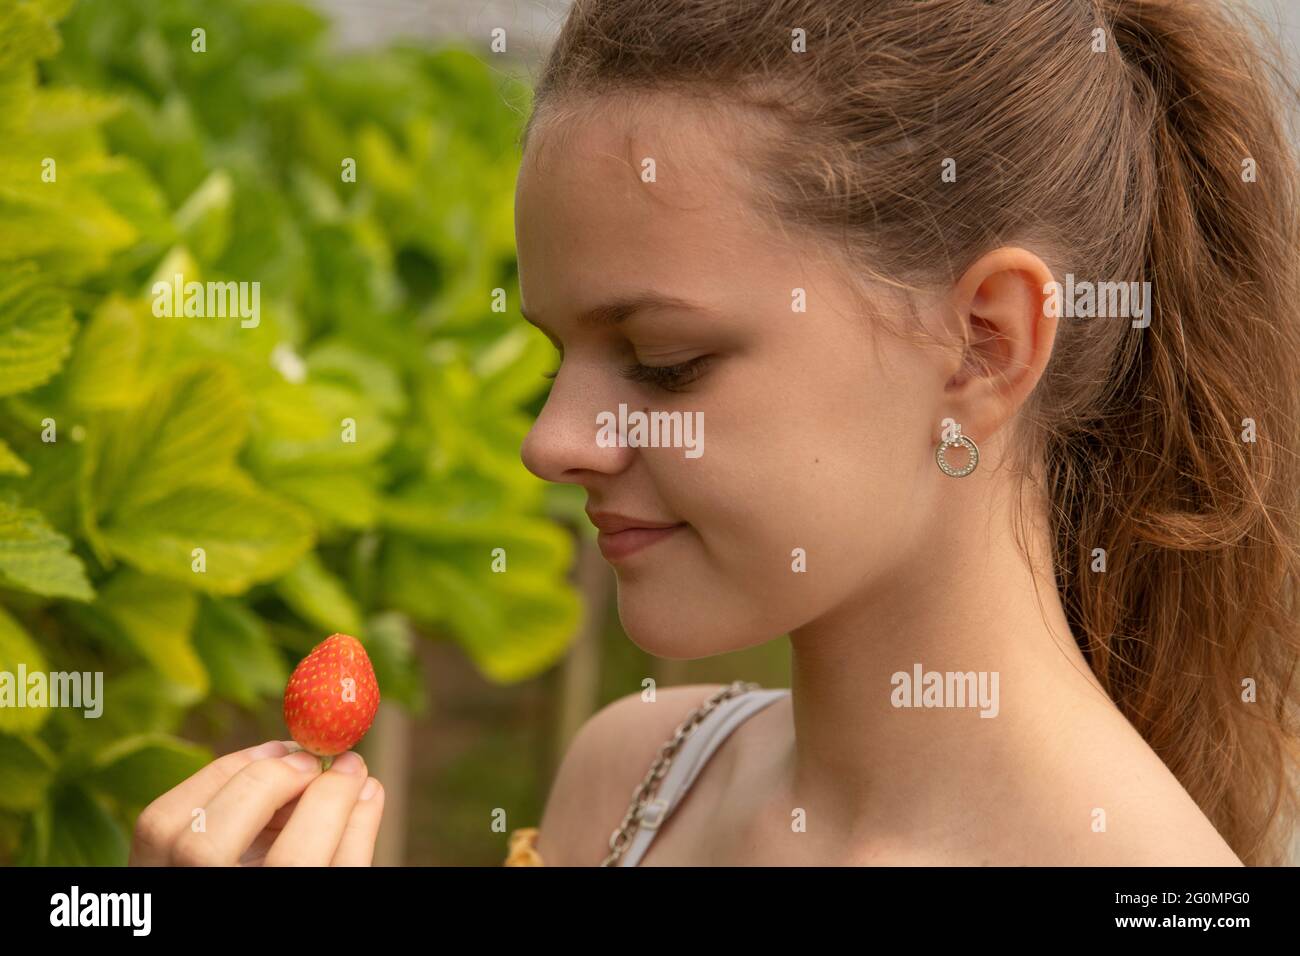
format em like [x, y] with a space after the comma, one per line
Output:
[807, 491]
[787, 464]
[819, 475]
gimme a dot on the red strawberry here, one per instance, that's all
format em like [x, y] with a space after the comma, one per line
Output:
[332, 696]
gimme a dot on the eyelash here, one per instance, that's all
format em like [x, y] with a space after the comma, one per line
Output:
[670, 378]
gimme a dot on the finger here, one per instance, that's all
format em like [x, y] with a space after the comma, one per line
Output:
[282, 816]
[313, 832]
[357, 848]
[242, 809]
[256, 851]
[171, 814]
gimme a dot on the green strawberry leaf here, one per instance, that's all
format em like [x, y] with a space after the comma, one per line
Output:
[390, 644]
[10, 463]
[135, 771]
[320, 598]
[190, 429]
[16, 647]
[154, 618]
[141, 703]
[242, 662]
[36, 329]
[512, 631]
[35, 558]
[204, 218]
[74, 829]
[246, 536]
[26, 768]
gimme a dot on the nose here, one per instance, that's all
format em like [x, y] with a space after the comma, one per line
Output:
[561, 446]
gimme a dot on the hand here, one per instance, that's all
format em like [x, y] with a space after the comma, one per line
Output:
[264, 806]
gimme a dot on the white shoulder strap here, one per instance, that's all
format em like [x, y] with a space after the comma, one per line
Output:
[690, 759]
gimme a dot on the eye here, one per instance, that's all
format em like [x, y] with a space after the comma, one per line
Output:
[670, 378]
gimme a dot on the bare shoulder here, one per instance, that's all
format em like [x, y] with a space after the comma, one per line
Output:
[606, 760]
[1126, 808]
[1155, 822]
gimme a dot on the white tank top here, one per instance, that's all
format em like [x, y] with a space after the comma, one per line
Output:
[690, 759]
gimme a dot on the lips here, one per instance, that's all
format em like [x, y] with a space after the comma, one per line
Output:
[622, 536]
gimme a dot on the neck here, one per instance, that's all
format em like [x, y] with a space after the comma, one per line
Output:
[866, 765]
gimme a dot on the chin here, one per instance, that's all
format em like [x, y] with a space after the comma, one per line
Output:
[678, 627]
[665, 632]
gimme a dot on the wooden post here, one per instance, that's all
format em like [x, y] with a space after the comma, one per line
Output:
[387, 752]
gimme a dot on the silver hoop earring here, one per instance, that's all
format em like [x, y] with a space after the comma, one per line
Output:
[971, 448]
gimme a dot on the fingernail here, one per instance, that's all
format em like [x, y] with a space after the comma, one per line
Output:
[370, 789]
[272, 748]
[302, 761]
[348, 763]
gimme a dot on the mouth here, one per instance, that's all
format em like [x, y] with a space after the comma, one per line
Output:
[620, 536]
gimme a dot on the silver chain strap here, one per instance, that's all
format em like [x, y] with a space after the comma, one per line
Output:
[621, 838]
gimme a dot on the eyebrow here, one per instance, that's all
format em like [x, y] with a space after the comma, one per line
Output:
[623, 308]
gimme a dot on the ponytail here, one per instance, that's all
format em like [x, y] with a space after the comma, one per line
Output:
[1190, 478]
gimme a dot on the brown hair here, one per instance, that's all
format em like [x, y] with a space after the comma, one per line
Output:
[1117, 137]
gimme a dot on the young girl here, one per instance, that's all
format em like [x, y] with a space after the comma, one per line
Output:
[955, 339]
[986, 309]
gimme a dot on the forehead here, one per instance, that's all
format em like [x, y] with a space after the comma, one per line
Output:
[642, 193]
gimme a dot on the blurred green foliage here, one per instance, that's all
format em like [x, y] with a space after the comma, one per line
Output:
[128, 440]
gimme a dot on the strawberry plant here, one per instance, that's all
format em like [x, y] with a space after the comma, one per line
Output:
[187, 499]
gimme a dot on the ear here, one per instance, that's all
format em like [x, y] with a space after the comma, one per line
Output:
[1000, 309]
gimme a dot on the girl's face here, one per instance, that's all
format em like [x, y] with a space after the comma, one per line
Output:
[818, 437]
